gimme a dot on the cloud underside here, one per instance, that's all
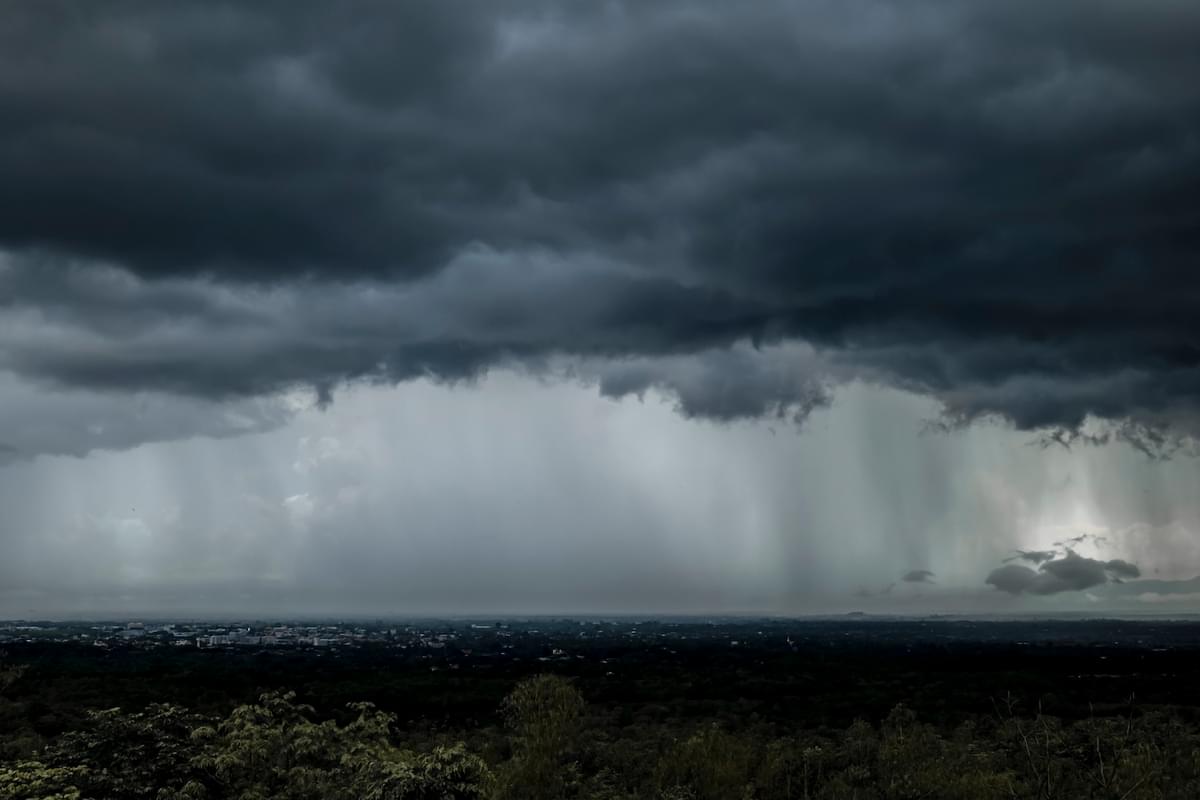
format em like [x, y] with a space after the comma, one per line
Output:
[1070, 573]
[985, 203]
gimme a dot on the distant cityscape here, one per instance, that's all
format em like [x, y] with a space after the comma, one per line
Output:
[453, 643]
[203, 635]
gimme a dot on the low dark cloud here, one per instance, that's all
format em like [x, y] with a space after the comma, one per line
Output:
[73, 423]
[1011, 578]
[1119, 568]
[918, 576]
[1070, 573]
[986, 203]
[726, 384]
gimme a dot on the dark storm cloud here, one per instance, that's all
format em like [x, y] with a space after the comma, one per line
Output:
[918, 576]
[1011, 578]
[102, 328]
[1071, 573]
[988, 203]
[1119, 568]
[36, 422]
[728, 384]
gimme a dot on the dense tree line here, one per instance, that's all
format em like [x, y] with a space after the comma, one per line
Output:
[551, 744]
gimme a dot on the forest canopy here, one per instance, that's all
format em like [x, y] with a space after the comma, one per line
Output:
[552, 744]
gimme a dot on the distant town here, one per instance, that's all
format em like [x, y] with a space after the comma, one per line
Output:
[453, 642]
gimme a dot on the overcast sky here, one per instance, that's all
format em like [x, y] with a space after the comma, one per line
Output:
[789, 307]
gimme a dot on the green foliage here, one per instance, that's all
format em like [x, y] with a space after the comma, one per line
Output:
[543, 713]
[274, 749]
[554, 747]
[133, 756]
[19, 743]
[709, 765]
[9, 675]
[33, 780]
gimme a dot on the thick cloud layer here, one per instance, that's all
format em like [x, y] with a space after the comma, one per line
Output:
[989, 203]
[1070, 573]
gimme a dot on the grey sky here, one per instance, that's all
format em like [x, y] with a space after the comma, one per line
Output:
[517, 494]
[744, 307]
